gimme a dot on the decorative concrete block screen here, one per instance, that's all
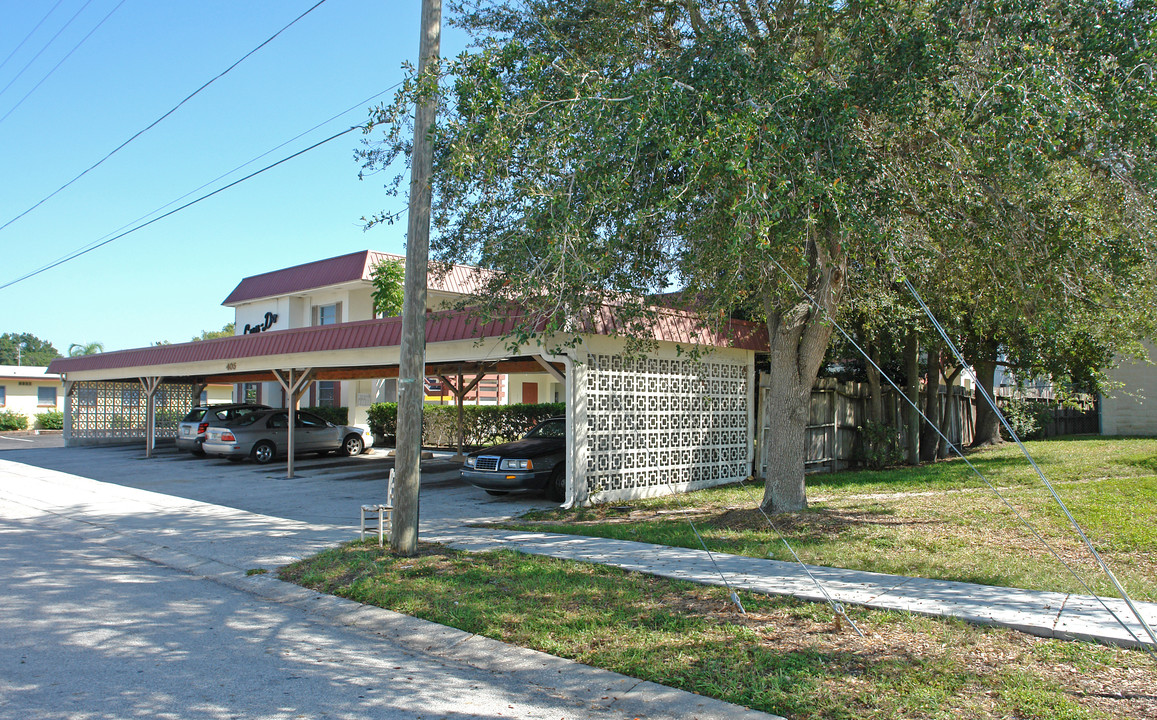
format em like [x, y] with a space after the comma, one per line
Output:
[655, 426]
[111, 411]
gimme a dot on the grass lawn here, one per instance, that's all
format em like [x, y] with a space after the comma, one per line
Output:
[938, 521]
[785, 657]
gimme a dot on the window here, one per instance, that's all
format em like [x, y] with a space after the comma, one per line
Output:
[3, 396]
[309, 421]
[46, 396]
[327, 314]
[251, 393]
[327, 393]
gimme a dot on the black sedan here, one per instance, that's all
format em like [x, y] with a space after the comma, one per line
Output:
[537, 462]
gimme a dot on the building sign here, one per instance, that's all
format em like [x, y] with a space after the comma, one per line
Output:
[270, 319]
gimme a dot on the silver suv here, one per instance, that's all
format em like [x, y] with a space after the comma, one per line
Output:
[191, 430]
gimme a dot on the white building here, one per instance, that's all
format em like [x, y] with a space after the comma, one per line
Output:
[1131, 408]
[30, 391]
[340, 290]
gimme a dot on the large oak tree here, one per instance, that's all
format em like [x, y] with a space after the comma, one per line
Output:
[755, 155]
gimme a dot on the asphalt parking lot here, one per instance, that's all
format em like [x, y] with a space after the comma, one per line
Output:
[326, 490]
[29, 441]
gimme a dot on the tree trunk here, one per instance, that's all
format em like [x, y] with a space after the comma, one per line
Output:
[929, 435]
[912, 368]
[798, 336]
[987, 425]
[786, 411]
[876, 397]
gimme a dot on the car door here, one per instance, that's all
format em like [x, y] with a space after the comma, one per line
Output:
[314, 434]
[276, 428]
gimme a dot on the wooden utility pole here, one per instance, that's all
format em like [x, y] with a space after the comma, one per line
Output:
[412, 366]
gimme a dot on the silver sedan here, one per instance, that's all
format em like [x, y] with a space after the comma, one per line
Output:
[264, 436]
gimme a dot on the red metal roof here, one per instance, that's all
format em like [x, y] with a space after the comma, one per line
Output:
[337, 270]
[673, 326]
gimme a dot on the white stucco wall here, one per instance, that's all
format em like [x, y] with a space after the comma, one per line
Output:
[1132, 408]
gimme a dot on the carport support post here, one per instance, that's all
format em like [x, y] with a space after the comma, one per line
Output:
[460, 397]
[294, 388]
[150, 384]
[195, 392]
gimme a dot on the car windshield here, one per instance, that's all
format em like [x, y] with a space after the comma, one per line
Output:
[548, 429]
[195, 415]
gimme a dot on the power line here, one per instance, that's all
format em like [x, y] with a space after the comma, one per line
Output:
[66, 57]
[158, 120]
[206, 196]
[46, 45]
[30, 34]
[222, 176]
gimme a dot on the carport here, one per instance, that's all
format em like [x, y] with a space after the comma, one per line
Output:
[639, 424]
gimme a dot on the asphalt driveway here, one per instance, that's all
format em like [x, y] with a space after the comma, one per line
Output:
[327, 490]
[29, 441]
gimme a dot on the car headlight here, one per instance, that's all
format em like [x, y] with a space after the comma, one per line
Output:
[471, 462]
[517, 465]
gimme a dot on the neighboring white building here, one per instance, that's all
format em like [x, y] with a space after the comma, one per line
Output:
[1131, 409]
[30, 391]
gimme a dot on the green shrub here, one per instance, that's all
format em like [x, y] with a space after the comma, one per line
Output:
[337, 416]
[881, 445]
[383, 419]
[51, 420]
[482, 424]
[12, 420]
[1028, 418]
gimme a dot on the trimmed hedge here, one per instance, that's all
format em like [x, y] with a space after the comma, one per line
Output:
[336, 415]
[51, 420]
[12, 420]
[482, 424]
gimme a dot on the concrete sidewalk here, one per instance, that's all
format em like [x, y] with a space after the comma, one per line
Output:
[245, 540]
[1047, 614]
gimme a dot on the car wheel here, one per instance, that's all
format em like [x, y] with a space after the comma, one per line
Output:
[352, 445]
[556, 486]
[497, 492]
[263, 452]
[198, 450]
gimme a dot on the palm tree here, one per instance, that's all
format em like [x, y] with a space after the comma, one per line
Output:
[78, 349]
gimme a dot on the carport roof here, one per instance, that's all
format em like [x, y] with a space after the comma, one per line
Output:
[327, 340]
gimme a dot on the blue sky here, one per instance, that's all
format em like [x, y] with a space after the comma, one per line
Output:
[166, 282]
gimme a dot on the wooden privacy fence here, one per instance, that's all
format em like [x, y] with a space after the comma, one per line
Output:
[838, 411]
[1051, 419]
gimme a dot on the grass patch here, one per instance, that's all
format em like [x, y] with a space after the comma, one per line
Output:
[784, 657]
[937, 521]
